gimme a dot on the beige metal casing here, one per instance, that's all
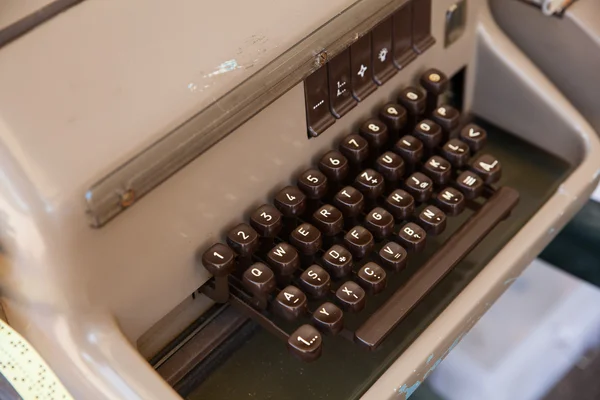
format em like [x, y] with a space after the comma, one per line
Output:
[91, 88]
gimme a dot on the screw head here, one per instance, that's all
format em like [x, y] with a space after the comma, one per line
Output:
[321, 59]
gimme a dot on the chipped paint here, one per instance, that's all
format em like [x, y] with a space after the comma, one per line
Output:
[409, 390]
[227, 66]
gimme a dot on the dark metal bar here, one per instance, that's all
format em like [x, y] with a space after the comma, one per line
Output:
[201, 344]
[375, 329]
[257, 317]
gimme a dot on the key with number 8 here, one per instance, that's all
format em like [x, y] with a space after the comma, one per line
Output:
[375, 132]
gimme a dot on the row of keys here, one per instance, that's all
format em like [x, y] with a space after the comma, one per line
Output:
[353, 74]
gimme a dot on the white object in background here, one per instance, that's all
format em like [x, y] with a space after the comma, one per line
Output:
[25, 370]
[526, 342]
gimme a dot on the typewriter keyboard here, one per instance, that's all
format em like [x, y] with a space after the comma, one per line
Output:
[329, 243]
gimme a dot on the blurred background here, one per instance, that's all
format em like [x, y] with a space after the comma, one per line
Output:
[542, 338]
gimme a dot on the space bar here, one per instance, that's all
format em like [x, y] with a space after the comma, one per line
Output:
[372, 332]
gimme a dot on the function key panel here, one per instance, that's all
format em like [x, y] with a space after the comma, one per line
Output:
[355, 73]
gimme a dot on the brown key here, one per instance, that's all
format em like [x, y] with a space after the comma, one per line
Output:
[290, 303]
[429, 133]
[290, 201]
[447, 117]
[433, 220]
[375, 132]
[456, 152]
[409, 148]
[328, 220]
[470, 184]
[488, 168]
[306, 343]
[313, 183]
[412, 237]
[335, 166]
[306, 238]
[338, 261]
[391, 166]
[355, 148]
[400, 204]
[379, 222]
[372, 278]
[259, 280]
[243, 239]
[370, 183]
[329, 318]
[284, 259]
[393, 256]
[315, 281]
[474, 136]
[266, 220]
[359, 241]
[419, 186]
[351, 296]
[349, 201]
[451, 201]
[219, 260]
[438, 169]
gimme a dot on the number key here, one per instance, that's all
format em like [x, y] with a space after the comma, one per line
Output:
[243, 240]
[306, 343]
[334, 165]
[355, 148]
[266, 220]
[290, 201]
[394, 116]
[375, 132]
[219, 260]
[313, 183]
